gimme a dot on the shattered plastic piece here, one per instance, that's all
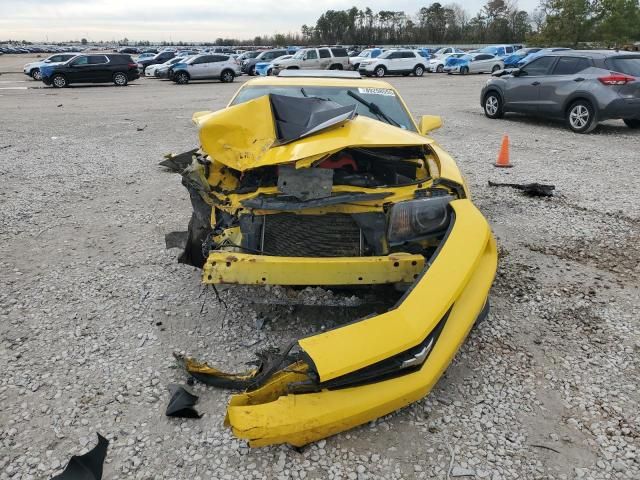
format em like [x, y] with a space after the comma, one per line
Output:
[529, 189]
[88, 466]
[269, 362]
[177, 163]
[181, 403]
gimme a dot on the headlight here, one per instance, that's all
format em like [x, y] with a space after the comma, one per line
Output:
[415, 219]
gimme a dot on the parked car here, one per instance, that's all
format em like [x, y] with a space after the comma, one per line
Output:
[266, 68]
[511, 61]
[324, 58]
[206, 66]
[129, 50]
[473, 63]
[436, 64]
[533, 55]
[95, 68]
[369, 53]
[33, 69]
[394, 62]
[248, 65]
[446, 51]
[498, 50]
[154, 60]
[582, 87]
[366, 199]
[155, 69]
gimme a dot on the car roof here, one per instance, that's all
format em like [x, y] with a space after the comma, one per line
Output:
[319, 82]
[589, 53]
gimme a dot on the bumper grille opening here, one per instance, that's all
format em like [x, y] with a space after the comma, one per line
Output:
[330, 235]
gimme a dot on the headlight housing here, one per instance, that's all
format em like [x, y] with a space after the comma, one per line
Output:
[421, 218]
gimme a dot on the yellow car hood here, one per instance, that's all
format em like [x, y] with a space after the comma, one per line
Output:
[244, 136]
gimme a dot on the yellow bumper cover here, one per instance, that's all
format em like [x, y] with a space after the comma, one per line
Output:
[458, 280]
[224, 267]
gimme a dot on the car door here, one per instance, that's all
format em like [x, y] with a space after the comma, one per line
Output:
[199, 66]
[394, 62]
[78, 70]
[214, 67]
[325, 58]
[408, 61]
[563, 80]
[478, 62]
[310, 59]
[522, 92]
[99, 69]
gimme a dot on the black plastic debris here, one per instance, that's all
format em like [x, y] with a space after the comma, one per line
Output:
[181, 403]
[87, 466]
[529, 189]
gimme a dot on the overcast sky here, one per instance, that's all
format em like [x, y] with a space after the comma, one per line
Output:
[174, 20]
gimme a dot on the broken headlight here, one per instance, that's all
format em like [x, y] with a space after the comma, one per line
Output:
[416, 219]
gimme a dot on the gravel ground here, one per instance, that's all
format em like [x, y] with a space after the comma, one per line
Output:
[92, 306]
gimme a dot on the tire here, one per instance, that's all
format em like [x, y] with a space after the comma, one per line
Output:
[356, 66]
[36, 74]
[632, 123]
[418, 71]
[581, 117]
[440, 68]
[120, 79]
[495, 68]
[227, 76]
[493, 107]
[464, 70]
[380, 72]
[252, 71]
[269, 72]
[181, 78]
[59, 81]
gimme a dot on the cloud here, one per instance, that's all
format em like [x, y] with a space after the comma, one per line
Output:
[189, 20]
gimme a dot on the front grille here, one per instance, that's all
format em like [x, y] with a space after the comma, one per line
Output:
[331, 235]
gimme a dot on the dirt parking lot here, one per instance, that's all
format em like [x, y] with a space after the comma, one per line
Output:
[92, 306]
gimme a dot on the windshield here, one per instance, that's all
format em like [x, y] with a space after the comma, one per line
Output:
[299, 54]
[489, 50]
[386, 54]
[383, 98]
[441, 51]
[365, 53]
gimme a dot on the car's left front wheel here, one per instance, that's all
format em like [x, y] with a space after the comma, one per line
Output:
[120, 79]
[227, 76]
[495, 68]
[36, 74]
[493, 107]
[59, 81]
[418, 71]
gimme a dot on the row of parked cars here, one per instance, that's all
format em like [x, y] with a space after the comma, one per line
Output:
[17, 49]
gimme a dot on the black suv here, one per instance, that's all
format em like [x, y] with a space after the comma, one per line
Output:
[94, 68]
[159, 58]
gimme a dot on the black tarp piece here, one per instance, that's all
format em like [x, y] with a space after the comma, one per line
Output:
[181, 403]
[297, 117]
[529, 189]
[87, 466]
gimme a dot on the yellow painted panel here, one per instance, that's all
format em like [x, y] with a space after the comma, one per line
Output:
[304, 418]
[228, 267]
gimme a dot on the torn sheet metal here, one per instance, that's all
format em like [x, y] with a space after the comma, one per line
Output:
[245, 136]
[88, 466]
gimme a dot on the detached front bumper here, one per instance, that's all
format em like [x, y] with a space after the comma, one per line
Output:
[450, 293]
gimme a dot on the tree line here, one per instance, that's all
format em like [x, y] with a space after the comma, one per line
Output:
[554, 22]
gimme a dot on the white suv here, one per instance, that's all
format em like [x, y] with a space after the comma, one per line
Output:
[404, 62]
[206, 66]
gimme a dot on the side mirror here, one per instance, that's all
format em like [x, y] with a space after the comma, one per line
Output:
[429, 123]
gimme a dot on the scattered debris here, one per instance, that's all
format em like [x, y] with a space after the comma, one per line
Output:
[181, 403]
[529, 189]
[462, 472]
[141, 129]
[5, 146]
[59, 105]
[87, 466]
[545, 447]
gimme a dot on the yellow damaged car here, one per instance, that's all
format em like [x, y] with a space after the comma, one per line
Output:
[324, 179]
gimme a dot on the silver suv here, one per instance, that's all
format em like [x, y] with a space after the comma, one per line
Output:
[582, 87]
[324, 58]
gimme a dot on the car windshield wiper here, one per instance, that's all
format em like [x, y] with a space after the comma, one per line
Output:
[373, 108]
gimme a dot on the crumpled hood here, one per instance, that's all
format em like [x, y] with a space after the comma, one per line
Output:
[276, 129]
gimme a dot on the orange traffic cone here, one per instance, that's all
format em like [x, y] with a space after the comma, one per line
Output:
[503, 156]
